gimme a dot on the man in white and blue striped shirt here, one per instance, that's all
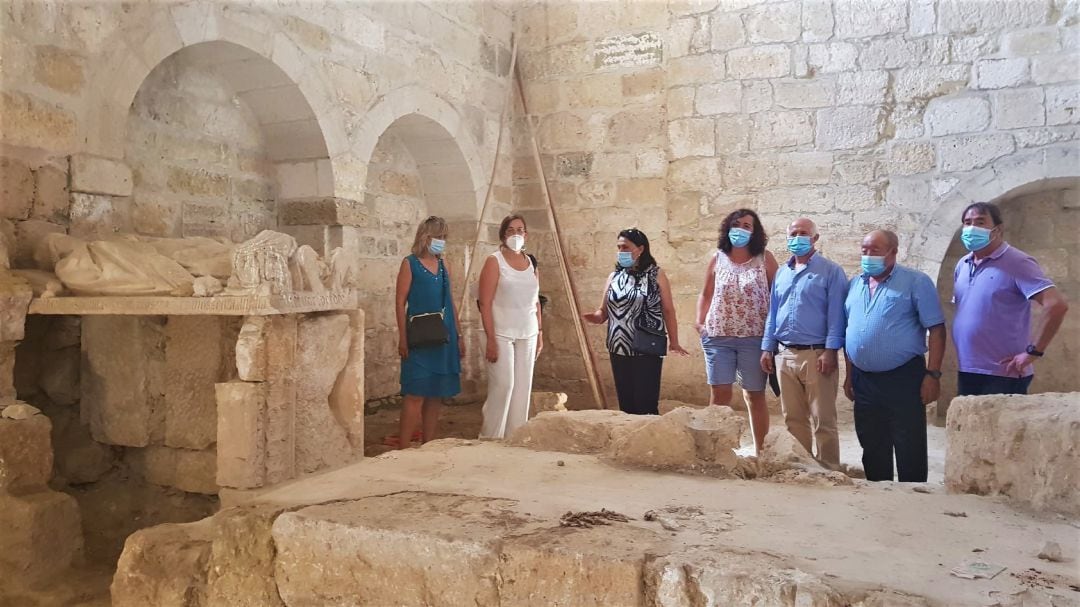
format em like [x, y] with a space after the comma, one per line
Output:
[890, 309]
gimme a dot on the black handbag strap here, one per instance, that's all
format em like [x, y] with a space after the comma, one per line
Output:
[445, 280]
[641, 321]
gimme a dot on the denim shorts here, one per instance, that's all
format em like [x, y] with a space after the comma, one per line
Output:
[731, 358]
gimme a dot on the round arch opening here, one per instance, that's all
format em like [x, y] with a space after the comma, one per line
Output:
[215, 135]
[417, 168]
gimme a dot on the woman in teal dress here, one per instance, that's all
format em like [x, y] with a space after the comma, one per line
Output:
[433, 373]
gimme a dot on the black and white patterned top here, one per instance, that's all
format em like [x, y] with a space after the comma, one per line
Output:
[626, 297]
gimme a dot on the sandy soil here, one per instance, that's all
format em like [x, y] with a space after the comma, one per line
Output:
[871, 535]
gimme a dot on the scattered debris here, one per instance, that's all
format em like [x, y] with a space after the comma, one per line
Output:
[665, 521]
[1050, 551]
[973, 570]
[956, 514]
[560, 463]
[591, 519]
[1033, 578]
[921, 489]
[978, 550]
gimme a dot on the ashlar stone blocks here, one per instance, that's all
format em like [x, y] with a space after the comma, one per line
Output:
[1024, 447]
[42, 536]
[94, 175]
[123, 383]
[26, 456]
[193, 348]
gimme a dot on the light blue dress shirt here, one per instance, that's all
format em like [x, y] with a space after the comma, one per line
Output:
[889, 329]
[807, 307]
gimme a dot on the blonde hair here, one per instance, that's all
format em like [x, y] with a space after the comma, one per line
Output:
[432, 227]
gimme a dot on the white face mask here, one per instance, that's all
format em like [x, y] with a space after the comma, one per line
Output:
[515, 243]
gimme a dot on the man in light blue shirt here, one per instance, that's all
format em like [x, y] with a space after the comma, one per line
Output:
[803, 332]
[889, 310]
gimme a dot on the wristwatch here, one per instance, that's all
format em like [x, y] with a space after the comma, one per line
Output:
[934, 374]
[1032, 351]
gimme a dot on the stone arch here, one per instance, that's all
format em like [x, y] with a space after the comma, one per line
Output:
[248, 52]
[935, 249]
[448, 160]
[1013, 175]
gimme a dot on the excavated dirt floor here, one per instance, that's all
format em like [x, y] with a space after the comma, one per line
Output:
[478, 519]
[462, 499]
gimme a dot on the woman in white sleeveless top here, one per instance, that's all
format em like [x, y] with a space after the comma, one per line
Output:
[510, 311]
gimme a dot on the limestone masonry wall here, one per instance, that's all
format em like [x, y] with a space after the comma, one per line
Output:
[209, 118]
[664, 115]
[859, 114]
[199, 162]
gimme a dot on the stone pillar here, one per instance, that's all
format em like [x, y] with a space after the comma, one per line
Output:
[298, 404]
[281, 337]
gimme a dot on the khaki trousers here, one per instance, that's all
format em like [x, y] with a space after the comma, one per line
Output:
[808, 400]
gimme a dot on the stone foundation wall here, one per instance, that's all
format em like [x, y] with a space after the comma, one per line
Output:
[860, 115]
[198, 159]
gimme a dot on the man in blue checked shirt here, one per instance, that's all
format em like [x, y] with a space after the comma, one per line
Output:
[889, 310]
[803, 333]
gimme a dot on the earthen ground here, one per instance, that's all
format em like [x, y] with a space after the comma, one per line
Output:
[883, 535]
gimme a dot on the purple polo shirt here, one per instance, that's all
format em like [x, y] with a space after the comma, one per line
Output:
[993, 311]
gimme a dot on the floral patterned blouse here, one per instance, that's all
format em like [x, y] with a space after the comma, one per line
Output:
[740, 299]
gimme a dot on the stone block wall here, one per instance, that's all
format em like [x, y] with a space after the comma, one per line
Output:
[198, 159]
[192, 99]
[894, 113]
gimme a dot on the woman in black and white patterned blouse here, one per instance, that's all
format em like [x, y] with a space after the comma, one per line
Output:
[637, 295]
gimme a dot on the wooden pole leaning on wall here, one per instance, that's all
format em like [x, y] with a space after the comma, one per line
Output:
[568, 282]
[470, 253]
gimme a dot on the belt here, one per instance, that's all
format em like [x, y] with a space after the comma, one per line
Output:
[804, 346]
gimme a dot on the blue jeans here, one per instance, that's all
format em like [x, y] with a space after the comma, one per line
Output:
[977, 384]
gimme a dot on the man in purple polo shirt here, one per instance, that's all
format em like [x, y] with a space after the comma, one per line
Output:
[994, 284]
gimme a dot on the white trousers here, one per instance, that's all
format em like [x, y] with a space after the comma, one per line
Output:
[509, 387]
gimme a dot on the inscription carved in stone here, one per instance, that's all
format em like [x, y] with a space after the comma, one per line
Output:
[629, 50]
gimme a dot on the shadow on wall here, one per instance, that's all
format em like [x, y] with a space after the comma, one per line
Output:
[1046, 225]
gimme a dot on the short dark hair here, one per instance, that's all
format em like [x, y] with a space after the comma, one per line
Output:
[758, 239]
[505, 225]
[645, 260]
[984, 208]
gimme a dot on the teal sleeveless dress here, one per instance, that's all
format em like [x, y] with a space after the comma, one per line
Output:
[431, 372]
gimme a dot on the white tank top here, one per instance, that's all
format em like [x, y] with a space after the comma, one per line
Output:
[516, 298]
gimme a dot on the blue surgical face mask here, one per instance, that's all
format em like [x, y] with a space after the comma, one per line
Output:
[975, 238]
[874, 265]
[625, 259]
[800, 245]
[739, 237]
[437, 246]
